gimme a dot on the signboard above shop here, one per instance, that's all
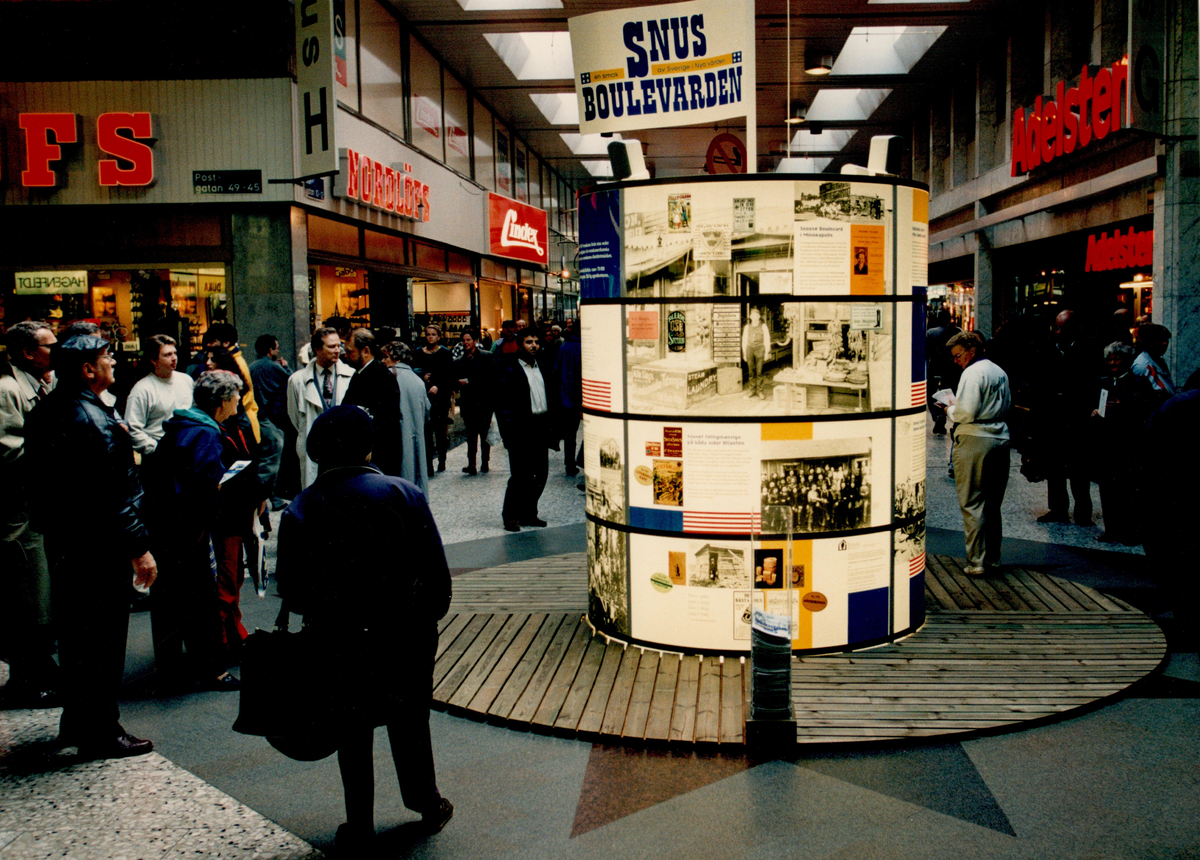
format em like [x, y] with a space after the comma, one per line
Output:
[517, 230]
[661, 66]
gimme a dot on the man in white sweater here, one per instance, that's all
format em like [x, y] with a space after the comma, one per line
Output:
[156, 396]
[981, 450]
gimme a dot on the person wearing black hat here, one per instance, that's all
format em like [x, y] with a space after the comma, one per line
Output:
[89, 507]
[339, 541]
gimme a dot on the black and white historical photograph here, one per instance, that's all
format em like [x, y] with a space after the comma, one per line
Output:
[606, 484]
[829, 491]
[715, 566]
[608, 588]
[840, 201]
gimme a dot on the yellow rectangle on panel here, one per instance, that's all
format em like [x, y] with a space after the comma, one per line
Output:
[920, 206]
[802, 572]
[786, 432]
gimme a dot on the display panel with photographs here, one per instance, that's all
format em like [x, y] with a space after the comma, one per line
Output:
[908, 605]
[604, 464]
[842, 241]
[764, 358]
[600, 329]
[608, 587]
[824, 479]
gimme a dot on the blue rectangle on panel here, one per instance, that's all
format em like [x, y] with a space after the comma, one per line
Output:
[918, 334]
[653, 518]
[916, 599]
[868, 615]
[600, 245]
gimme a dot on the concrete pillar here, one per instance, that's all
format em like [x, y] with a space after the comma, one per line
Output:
[1177, 205]
[268, 279]
[985, 291]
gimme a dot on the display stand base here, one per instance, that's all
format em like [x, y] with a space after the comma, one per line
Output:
[770, 734]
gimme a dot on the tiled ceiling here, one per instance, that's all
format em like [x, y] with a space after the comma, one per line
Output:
[895, 55]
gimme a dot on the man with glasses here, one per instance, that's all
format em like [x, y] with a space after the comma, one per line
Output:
[981, 449]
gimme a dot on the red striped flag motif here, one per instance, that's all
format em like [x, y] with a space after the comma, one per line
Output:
[597, 395]
[918, 393]
[721, 521]
[916, 564]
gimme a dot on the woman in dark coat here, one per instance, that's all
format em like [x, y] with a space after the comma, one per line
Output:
[339, 541]
[186, 486]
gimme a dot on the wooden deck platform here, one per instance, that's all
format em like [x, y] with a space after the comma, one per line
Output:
[995, 652]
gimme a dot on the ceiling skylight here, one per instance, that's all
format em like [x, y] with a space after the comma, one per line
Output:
[501, 5]
[588, 144]
[802, 165]
[829, 140]
[557, 108]
[849, 105]
[535, 56]
[884, 50]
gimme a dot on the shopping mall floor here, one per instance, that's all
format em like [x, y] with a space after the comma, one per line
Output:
[1115, 781]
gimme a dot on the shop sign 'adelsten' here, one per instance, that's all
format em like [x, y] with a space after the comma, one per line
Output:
[517, 230]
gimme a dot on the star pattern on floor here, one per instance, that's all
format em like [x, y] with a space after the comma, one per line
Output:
[620, 781]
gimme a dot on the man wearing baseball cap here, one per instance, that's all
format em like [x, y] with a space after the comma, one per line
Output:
[88, 504]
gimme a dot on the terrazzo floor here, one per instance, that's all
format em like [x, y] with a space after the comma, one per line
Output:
[1113, 784]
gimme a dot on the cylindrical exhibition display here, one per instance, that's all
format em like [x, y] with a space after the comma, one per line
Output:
[753, 365]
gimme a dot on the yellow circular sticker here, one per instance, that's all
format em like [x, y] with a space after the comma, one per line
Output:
[661, 582]
[643, 475]
[814, 601]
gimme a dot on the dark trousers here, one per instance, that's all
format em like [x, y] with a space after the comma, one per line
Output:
[570, 428]
[437, 431]
[26, 636]
[182, 614]
[1081, 490]
[270, 455]
[91, 600]
[529, 463]
[412, 749]
[477, 422]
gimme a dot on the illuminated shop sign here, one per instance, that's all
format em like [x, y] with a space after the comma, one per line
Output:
[1108, 253]
[52, 283]
[372, 183]
[1073, 119]
[517, 230]
[127, 137]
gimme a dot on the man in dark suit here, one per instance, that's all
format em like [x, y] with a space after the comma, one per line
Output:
[374, 389]
[476, 375]
[524, 416]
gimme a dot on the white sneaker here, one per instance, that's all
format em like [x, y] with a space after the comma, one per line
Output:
[974, 570]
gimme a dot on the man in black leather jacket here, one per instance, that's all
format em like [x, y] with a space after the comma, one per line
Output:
[88, 505]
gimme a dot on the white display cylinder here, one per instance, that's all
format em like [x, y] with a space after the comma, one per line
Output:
[753, 353]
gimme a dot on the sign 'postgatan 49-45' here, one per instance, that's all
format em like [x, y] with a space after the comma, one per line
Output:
[659, 66]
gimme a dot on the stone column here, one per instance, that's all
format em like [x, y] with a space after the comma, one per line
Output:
[268, 278]
[1177, 202]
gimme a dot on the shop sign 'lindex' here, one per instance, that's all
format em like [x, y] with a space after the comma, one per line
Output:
[656, 66]
[1073, 119]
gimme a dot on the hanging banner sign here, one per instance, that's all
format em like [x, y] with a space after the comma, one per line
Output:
[316, 70]
[660, 66]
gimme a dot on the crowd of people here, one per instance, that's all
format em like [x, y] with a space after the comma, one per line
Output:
[1075, 400]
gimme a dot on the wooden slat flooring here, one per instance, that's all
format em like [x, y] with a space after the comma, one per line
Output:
[995, 651]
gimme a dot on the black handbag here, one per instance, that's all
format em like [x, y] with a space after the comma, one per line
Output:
[283, 695]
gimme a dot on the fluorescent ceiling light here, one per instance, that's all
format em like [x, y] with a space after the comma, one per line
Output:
[557, 108]
[884, 50]
[599, 169]
[500, 5]
[829, 140]
[535, 56]
[588, 144]
[848, 105]
[802, 165]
